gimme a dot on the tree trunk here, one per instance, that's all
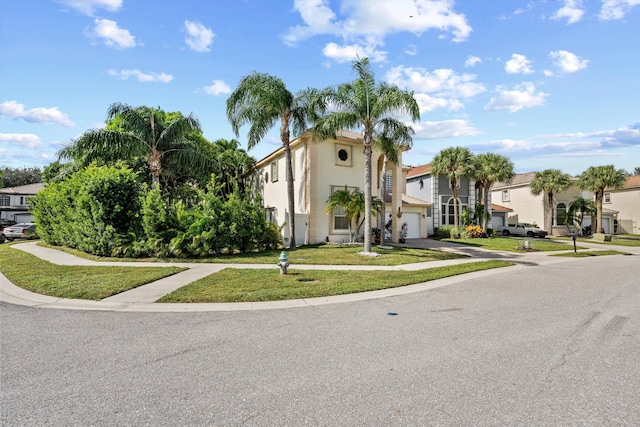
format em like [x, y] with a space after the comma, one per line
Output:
[368, 145]
[599, 196]
[485, 211]
[284, 135]
[548, 214]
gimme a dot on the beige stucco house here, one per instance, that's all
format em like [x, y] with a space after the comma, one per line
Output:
[530, 209]
[626, 202]
[319, 168]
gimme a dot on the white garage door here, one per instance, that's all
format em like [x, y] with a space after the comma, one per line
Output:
[413, 223]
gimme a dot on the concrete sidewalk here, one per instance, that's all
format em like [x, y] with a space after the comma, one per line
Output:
[143, 297]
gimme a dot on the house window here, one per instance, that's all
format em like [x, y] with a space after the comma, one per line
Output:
[340, 222]
[448, 216]
[270, 215]
[505, 195]
[343, 155]
[22, 200]
[274, 171]
[607, 198]
[388, 181]
[457, 184]
[5, 200]
[561, 214]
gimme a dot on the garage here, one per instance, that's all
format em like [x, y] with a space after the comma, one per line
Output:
[413, 224]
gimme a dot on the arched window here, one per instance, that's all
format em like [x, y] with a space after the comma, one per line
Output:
[447, 216]
[560, 217]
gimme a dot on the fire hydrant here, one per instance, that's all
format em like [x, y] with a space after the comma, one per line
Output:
[283, 263]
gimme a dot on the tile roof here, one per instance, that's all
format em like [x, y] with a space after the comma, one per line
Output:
[632, 181]
[23, 189]
[498, 208]
[419, 170]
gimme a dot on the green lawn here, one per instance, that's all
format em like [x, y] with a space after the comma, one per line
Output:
[314, 254]
[92, 283]
[235, 285]
[512, 244]
[585, 254]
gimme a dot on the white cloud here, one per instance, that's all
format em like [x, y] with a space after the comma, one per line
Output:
[88, 7]
[520, 97]
[112, 35]
[616, 9]
[217, 87]
[472, 61]
[412, 50]
[367, 23]
[36, 115]
[428, 103]
[443, 81]
[567, 61]
[572, 11]
[444, 129]
[142, 77]
[199, 37]
[26, 140]
[348, 53]
[518, 64]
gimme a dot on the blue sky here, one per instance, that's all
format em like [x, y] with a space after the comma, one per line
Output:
[549, 84]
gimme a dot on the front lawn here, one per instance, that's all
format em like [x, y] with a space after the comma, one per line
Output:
[235, 285]
[585, 254]
[82, 282]
[314, 255]
[512, 244]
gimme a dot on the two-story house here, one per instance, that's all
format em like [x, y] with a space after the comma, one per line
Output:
[320, 168]
[626, 202]
[13, 202]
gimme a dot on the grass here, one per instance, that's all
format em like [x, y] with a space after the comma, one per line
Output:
[82, 282]
[235, 285]
[511, 244]
[314, 254]
[585, 254]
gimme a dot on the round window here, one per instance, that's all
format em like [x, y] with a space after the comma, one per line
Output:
[343, 155]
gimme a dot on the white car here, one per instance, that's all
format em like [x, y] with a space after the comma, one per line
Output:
[24, 230]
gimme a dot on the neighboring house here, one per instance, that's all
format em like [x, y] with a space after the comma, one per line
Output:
[319, 168]
[530, 209]
[13, 202]
[626, 201]
[436, 191]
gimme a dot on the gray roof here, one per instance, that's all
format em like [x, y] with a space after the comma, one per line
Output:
[28, 189]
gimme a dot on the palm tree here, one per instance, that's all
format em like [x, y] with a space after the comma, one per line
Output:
[488, 169]
[596, 179]
[261, 100]
[363, 105]
[144, 132]
[549, 181]
[354, 206]
[581, 206]
[453, 162]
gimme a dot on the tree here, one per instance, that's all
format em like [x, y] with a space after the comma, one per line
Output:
[363, 105]
[15, 177]
[453, 162]
[354, 206]
[596, 179]
[489, 168]
[636, 170]
[260, 100]
[144, 132]
[389, 148]
[549, 182]
[581, 206]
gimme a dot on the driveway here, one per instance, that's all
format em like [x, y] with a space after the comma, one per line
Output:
[550, 344]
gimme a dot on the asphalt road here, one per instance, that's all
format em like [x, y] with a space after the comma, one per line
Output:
[553, 344]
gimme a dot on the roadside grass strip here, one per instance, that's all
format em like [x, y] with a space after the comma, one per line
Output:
[79, 282]
[312, 255]
[237, 285]
[585, 254]
[511, 244]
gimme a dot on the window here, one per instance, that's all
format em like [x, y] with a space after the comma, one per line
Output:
[22, 200]
[274, 171]
[343, 155]
[607, 198]
[505, 195]
[457, 184]
[561, 214]
[447, 213]
[5, 200]
[340, 222]
[270, 214]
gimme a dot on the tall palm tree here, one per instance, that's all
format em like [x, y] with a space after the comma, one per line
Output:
[489, 168]
[364, 106]
[596, 179]
[549, 182]
[453, 162]
[144, 132]
[261, 100]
